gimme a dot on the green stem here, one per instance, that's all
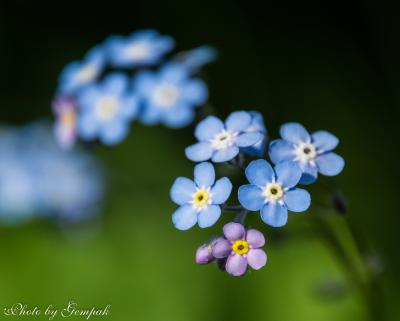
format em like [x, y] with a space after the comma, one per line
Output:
[365, 280]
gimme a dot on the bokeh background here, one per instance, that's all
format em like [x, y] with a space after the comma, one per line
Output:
[329, 65]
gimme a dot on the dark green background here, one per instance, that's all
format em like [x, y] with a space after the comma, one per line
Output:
[330, 65]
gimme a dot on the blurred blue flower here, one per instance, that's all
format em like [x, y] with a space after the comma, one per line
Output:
[143, 47]
[257, 125]
[199, 200]
[106, 110]
[272, 191]
[196, 58]
[313, 153]
[37, 178]
[221, 142]
[169, 96]
[78, 74]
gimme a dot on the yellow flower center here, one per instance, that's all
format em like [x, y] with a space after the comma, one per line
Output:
[273, 191]
[68, 118]
[240, 247]
[200, 198]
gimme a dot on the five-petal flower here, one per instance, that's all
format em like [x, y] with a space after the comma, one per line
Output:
[106, 110]
[313, 153]
[200, 199]
[79, 74]
[272, 191]
[144, 47]
[169, 96]
[241, 248]
[220, 141]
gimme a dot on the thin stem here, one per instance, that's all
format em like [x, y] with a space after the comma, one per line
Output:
[368, 285]
[241, 216]
[232, 208]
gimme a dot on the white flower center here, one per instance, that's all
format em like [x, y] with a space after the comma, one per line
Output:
[107, 107]
[137, 50]
[86, 73]
[223, 139]
[305, 153]
[201, 198]
[165, 95]
[273, 192]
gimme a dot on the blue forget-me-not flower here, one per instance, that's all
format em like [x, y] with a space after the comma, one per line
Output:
[273, 192]
[313, 153]
[78, 74]
[220, 141]
[169, 96]
[107, 110]
[199, 200]
[144, 47]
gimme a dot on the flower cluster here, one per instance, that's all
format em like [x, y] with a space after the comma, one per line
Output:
[127, 78]
[40, 179]
[271, 190]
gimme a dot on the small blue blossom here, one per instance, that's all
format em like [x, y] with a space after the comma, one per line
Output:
[257, 125]
[220, 141]
[199, 200]
[169, 96]
[272, 191]
[143, 47]
[313, 153]
[78, 74]
[106, 110]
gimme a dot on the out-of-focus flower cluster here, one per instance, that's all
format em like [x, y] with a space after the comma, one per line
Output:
[38, 178]
[272, 191]
[128, 78]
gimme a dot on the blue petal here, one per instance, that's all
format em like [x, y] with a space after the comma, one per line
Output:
[310, 173]
[199, 152]
[174, 73]
[288, 174]
[209, 216]
[249, 139]
[182, 190]
[324, 140]
[87, 127]
[150, 115]
[274, 214]
[294, 133]
[221, 190]
[196, 58]
[260, 172]
[330, 164]
[144, 83]
[208, 128]
[129, 107]
[113, 132]
[178, 117]
[204, 175]
[250, 197]
[238, 121]
[226, 154]
[297, 200]
[184, 217]
[196, 92]
[281, 150]
[115, 83]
